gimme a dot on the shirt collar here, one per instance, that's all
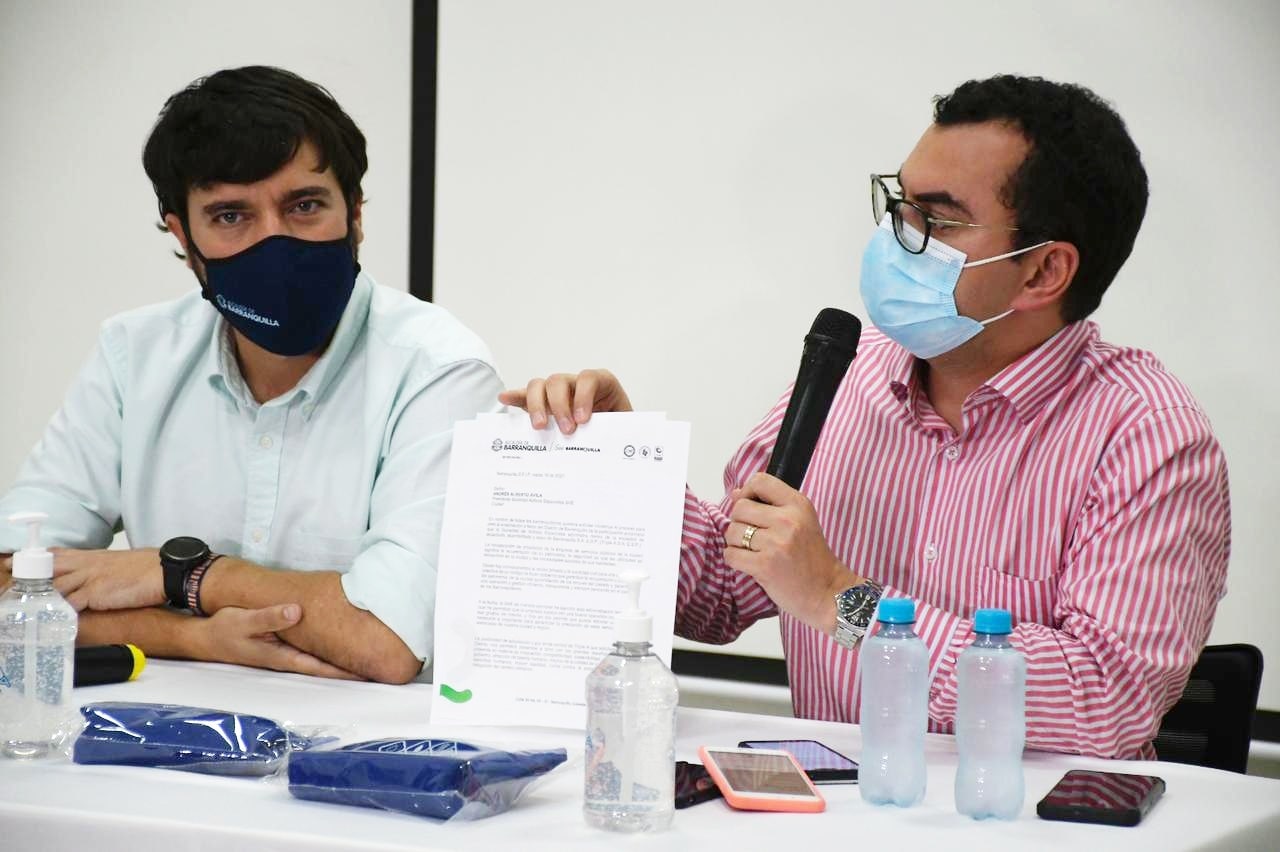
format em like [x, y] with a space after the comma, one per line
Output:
[223, 371]
[1027, 383]
[901, 373]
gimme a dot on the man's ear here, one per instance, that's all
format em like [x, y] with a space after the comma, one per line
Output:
[357, 224]
[174, 226]
[1047, 280]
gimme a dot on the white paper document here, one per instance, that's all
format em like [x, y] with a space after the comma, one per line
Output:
[538, 527]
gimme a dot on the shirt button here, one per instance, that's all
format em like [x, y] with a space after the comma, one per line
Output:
[265, 442]
[930, 552]
[258, 535]
[952, 453]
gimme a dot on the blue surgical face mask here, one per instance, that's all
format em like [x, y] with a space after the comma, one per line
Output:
[912, 297]
[284, 294]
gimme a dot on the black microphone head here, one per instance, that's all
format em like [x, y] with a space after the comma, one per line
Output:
[829, 349]
[839, 327]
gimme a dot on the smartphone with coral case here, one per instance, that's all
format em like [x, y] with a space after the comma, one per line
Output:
[755, 779]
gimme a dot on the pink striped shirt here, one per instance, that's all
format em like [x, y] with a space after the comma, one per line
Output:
[1085, 493]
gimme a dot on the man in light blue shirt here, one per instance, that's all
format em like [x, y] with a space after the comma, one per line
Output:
[276, 445]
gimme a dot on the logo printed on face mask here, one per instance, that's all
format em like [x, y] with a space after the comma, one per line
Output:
[241, 310]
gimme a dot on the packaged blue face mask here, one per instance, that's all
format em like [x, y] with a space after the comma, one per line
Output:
[194, 739]
[442, 779]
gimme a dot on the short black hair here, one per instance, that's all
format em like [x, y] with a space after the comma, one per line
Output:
[1082, 180]
[241, 125]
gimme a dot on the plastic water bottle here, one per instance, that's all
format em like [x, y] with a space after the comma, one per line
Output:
[37, 644]
[991, 720]
[631, 730]
[894, 709]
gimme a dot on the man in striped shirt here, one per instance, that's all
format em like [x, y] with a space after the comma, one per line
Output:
[986, 448]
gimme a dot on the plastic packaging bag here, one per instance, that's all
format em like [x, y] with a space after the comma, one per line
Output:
[442, 779]
[194, 739]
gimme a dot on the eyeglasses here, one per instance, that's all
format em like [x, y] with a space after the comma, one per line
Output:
[911, 224]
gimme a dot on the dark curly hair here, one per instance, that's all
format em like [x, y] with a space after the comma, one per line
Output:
[1082, 180]
[244, 124]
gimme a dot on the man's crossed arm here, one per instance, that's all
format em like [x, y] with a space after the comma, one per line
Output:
[286, 620]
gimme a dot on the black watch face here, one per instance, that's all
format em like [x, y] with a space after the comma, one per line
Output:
[184, 549]
[854, 603]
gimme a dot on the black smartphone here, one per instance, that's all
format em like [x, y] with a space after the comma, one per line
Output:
[823, 764]
[694, 784]
[1107, 798]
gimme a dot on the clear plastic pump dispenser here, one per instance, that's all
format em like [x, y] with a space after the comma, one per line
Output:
[37, 653]
[631, 729]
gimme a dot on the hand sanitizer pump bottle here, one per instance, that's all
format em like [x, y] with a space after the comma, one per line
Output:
[631, 729]
[37, 652]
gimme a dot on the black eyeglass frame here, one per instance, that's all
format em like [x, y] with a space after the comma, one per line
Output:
[893, 206]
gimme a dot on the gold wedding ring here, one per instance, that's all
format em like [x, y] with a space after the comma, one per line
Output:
[748, 534]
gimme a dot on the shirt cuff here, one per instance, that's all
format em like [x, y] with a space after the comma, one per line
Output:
[399, 589]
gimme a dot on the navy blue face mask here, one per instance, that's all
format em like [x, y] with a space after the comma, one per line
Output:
[283, 293]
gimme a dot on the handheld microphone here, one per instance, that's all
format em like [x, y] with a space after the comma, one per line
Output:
[829, 349]
[99, 664]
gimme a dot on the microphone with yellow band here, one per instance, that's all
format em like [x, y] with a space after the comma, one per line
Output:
[99, 664]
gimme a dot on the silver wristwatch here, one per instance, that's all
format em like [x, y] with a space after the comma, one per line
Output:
[854, 608]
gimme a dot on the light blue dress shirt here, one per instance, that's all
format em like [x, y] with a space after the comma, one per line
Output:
[159, 436]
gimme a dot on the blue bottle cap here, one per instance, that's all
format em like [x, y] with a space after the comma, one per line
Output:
[896, 611]
[993, 621]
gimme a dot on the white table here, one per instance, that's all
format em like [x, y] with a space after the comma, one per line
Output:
[54, 805]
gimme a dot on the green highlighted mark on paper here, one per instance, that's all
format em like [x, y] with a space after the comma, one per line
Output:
[454, 695]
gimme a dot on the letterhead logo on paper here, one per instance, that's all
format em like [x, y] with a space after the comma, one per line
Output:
[517, 446]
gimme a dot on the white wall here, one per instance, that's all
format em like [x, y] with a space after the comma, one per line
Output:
[671, 189]
[81, 84]
[674, 188]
